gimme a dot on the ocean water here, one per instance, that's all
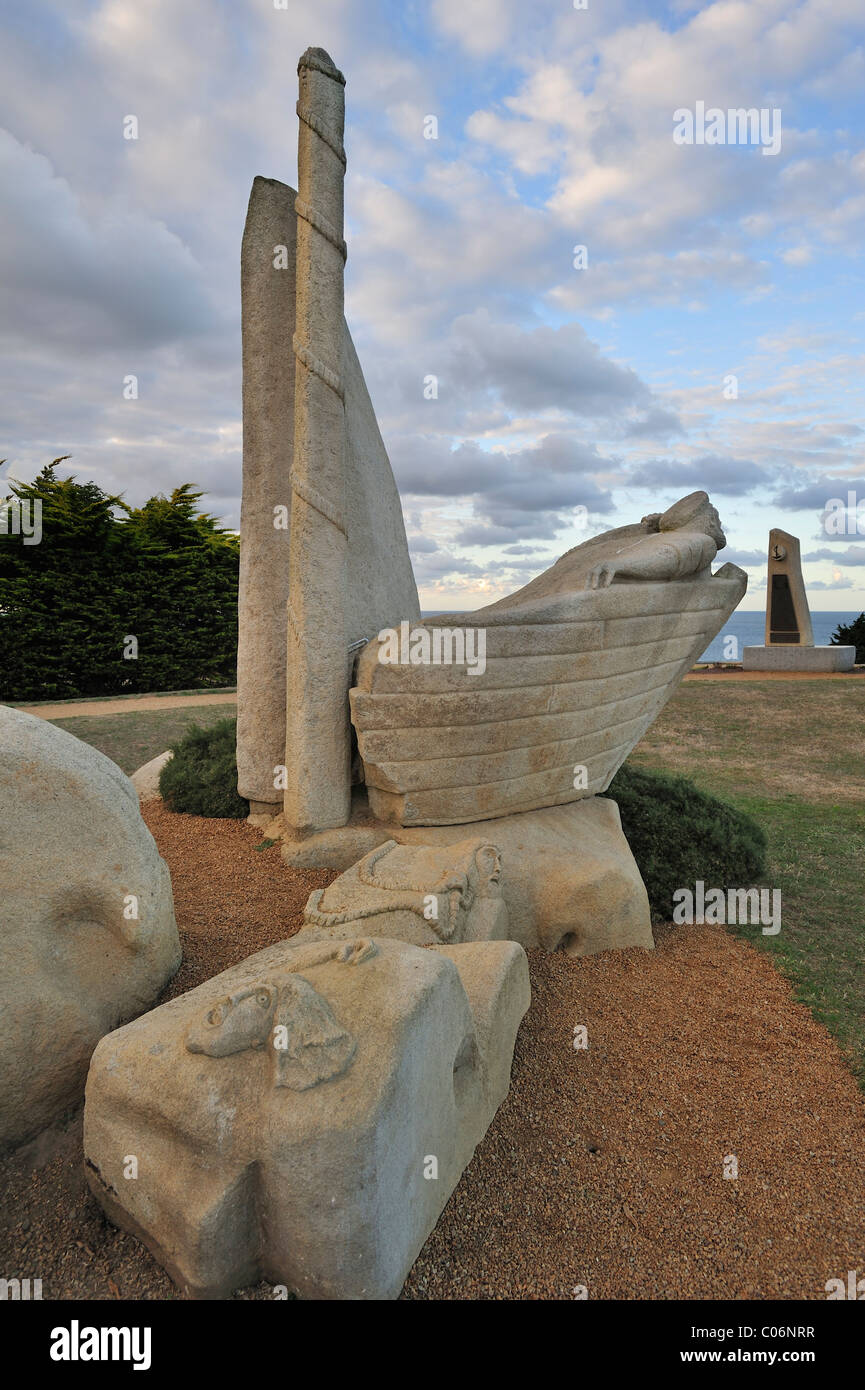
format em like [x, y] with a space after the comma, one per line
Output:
[749, 630]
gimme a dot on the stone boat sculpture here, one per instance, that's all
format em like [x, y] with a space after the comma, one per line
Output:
[343, 746]
[577, 665]
[304, 1117]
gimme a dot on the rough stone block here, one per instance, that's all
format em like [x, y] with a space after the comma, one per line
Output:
[287, 1116]
[146, 779]
[568, 877]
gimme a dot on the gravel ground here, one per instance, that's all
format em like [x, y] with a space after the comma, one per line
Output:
[603, 1168]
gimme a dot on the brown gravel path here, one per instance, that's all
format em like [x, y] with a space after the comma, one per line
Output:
[603, 1167]
[230, 899]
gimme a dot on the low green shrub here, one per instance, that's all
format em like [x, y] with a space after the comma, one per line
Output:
[679, 834]
[201, 778]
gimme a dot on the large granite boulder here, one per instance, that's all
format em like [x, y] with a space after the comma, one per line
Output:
[87, 930]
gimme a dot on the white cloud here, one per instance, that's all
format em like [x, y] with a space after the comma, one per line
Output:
[798, 255]
[481, 26]
[112, 278]
[555, 129]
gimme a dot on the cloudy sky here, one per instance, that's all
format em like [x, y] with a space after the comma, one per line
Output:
[712, 338]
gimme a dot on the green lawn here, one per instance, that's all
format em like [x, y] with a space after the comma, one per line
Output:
[791, 754]
[133, 739]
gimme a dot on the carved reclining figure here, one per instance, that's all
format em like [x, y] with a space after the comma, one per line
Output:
[419, 893]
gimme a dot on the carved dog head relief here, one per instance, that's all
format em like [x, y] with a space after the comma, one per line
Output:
[285, 1014]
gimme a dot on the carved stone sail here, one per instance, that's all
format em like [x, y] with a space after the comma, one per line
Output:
[370, 583]
[318, 780]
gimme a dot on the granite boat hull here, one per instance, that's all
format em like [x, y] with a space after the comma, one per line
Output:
[569, 683]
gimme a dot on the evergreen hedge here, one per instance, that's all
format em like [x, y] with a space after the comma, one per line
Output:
[164, 574]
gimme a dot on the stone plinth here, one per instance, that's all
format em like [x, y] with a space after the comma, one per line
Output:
[794, 658]
[568, 877]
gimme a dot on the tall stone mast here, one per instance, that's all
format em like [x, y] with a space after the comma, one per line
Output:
[318, 783]
[324, 561]
[268, 292]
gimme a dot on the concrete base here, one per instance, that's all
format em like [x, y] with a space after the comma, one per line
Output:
[792, 658]
[569, 878]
